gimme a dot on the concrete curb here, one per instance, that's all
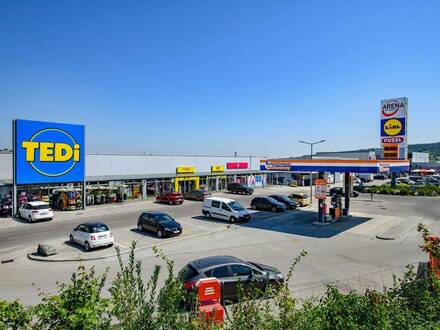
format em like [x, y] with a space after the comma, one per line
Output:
[32, 256]
[385, 238]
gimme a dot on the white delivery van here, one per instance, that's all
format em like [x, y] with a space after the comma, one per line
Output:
[224, 209]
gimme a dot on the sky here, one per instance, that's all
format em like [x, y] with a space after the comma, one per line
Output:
[217, 77]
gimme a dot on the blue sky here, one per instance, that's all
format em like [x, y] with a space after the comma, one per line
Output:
[214, 77]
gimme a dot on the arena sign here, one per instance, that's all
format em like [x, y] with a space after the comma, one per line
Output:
[48, 152]
[394, 125]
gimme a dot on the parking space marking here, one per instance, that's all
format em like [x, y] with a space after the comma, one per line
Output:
[121, 245]
[193, 225]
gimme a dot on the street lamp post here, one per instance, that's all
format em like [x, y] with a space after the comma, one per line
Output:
[311, 144]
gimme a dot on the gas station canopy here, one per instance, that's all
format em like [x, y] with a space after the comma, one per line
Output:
[335, 165]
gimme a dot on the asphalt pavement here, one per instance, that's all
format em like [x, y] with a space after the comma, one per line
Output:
[339, 252]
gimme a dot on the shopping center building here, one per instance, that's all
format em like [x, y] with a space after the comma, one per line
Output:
[109, 177]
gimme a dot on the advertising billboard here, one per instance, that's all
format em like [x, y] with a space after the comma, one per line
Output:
[394, 127]
[185, 169]
[237, 166]
[217, 168]
[320, 189]
[48, 152]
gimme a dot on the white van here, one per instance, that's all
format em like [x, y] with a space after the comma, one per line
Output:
[224, 209]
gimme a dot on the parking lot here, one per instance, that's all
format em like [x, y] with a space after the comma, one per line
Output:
[343, 250]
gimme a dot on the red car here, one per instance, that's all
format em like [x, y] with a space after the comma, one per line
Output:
[170, 198]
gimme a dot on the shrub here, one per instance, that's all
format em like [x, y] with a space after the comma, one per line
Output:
[78, 304]
[411, 303]
[136, 305]
[404, 191]
[14, 315]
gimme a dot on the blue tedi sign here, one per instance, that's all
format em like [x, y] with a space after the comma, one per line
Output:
[48, 152]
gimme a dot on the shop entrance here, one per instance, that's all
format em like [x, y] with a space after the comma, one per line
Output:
[186, 184]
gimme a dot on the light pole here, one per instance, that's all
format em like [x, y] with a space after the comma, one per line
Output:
[311, 144]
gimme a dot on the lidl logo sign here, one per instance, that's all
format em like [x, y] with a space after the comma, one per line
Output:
[393, 127]
[48, 152]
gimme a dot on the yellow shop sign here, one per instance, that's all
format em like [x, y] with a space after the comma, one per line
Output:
[185, 169]
[217, 168]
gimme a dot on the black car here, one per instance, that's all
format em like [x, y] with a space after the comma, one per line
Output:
[339, 191]
[238, 188]
[6, 207]
[267, 203]
[380, 177]
[231, 271]
[197, 195]
[160, 223]
[290, 204]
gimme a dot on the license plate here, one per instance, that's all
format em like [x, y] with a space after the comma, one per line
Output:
[43, 213]
[102, 236]
[176, 231]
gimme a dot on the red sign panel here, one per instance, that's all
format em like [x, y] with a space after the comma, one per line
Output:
[236, 166]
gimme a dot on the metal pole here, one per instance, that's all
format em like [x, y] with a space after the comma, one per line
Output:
[84, 196]
[14, 188]
[311, 173]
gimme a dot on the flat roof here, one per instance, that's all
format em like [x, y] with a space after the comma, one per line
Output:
[336, 165]
[166, 175]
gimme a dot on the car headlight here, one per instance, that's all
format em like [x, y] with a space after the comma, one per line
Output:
[168, 229]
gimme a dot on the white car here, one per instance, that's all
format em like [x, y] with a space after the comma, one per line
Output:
[33, 211]
[92, 235]
[224, 209]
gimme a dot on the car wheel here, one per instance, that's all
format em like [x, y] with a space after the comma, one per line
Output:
[232, 219]
[71, 240]
[159, 233]
[274, 209]
[87, 246]
[29, 219]
[140, 228]
[254, 207]
[208, 215]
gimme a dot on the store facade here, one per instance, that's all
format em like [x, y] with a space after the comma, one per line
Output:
[111, 178]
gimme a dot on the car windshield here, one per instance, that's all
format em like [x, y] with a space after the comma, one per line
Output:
[281, 198]
[235, 206]
[163, 218]
[40, 207]
[272, 200]
[99, 228]
[187, 272]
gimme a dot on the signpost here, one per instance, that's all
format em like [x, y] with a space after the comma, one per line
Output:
[320, 188]
[394, 127]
